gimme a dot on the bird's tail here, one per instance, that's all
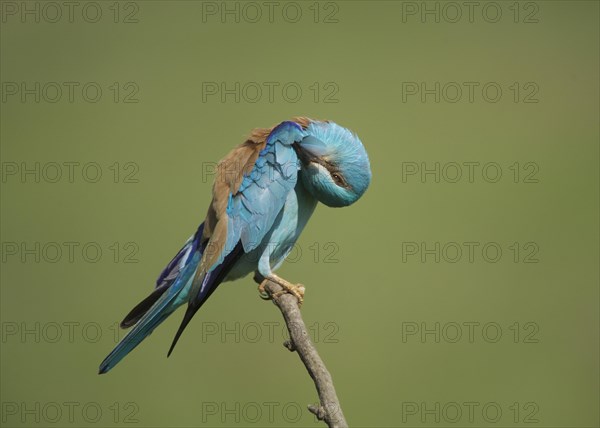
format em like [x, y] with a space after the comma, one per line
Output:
[171, 292]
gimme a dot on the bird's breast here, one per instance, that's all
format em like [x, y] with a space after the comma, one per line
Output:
[282, 236]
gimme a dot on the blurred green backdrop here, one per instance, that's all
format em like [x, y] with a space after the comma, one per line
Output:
[507, 340]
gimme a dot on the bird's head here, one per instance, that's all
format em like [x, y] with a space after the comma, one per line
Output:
[335, 166]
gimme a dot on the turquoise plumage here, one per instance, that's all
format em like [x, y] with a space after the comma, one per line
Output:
[265, 191]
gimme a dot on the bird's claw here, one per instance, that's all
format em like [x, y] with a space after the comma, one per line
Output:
[297, 290]
[262, 292]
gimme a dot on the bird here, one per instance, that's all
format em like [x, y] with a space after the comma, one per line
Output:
[264, 193]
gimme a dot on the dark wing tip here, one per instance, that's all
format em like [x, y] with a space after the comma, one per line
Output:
[144, 306]
[189, 314]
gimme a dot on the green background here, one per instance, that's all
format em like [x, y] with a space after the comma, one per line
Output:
[360, 299]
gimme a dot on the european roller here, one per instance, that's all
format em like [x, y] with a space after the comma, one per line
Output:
[265, 191]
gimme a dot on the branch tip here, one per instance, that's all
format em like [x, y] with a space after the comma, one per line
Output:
[318, 411]
[289, 345]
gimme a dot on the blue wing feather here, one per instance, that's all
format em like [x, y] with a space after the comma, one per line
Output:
[190, 247]
[262, 194]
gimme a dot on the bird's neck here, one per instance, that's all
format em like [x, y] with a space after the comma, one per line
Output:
[306, 201]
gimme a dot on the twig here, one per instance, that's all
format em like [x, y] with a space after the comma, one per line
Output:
[329, 409]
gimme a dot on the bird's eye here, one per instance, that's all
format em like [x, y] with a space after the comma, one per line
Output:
[339, 180]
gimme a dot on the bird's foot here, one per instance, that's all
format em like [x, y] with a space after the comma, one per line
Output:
[297, 290]
[262, 292]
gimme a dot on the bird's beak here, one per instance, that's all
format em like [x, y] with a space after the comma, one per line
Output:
[310, 149]
[304, 155]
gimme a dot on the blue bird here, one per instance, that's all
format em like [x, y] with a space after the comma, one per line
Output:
[265, 191]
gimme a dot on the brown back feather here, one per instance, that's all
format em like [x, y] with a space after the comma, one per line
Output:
[230, 173]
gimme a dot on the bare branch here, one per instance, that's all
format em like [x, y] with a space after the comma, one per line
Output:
[329, 409]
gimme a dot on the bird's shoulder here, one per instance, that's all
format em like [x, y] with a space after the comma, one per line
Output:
[237, 165]
[240, 161]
